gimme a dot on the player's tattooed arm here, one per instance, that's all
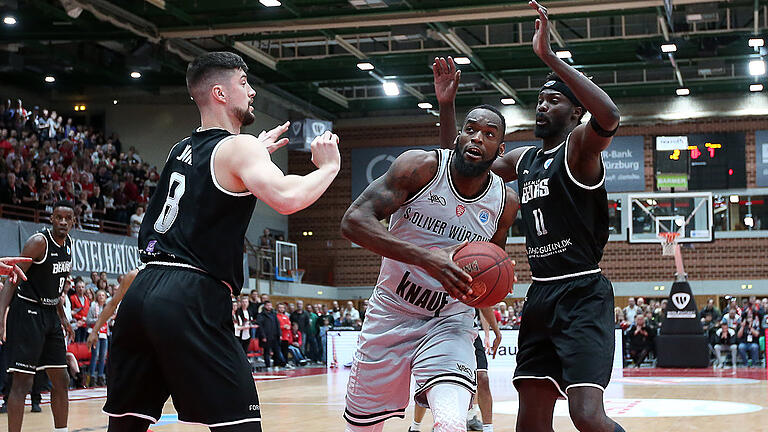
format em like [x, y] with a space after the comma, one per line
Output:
[446, 79]
[34, 248]
[587, 140]
[361, 224]
[111, 307]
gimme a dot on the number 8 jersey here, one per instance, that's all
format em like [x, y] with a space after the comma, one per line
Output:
[564, 221]
[191, 220]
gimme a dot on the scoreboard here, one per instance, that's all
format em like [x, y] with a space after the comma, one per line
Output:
[708, 161]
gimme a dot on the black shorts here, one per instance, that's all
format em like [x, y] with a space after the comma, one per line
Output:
[482, 360]
[174, 336]
[34, 337]
[567, 333]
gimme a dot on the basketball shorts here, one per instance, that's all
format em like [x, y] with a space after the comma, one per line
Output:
[173, 337]
[567, 333]
[392, 347]
[34, 337]
[480, 358]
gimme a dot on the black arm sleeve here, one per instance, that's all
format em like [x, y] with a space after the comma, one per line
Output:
[600, 131]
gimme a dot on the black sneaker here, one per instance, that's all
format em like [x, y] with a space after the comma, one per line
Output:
[475, 424]
[3, 409]
[36, 407]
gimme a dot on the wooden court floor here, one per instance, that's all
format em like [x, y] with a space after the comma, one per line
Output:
[641, 400]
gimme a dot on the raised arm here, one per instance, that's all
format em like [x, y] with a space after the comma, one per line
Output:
[410, 172]
[446, 78]
[111, 306]
[34, 248]
[594, 137]
[243, 164]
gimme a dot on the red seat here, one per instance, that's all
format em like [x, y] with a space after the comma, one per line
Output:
[81, 352]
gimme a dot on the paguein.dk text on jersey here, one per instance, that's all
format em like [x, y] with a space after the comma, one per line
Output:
[564, 221]
[437, 217]
[45, 278]
[191, 220]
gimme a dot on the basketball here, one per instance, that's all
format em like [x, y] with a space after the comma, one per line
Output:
[492, 271]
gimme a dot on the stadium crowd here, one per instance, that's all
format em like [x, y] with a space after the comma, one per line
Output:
[739, 330]
[45, 158]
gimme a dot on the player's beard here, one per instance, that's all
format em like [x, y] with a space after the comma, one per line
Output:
[470, 169]
[553, 128]
[245, 116]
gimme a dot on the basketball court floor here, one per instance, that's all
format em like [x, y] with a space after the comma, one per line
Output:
[647, 399]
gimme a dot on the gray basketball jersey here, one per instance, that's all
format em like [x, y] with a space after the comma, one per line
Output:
[437, 217]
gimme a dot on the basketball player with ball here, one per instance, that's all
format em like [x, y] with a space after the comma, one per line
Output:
[566, 335]
[420, 316]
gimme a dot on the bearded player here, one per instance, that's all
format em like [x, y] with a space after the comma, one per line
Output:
[566, 337]
[415, 324]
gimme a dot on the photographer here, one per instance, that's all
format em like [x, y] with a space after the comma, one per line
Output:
[748, 337]
[640, 340]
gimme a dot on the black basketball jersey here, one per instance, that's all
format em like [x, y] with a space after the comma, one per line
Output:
[565, 222]
[45, 278]
[191, 220]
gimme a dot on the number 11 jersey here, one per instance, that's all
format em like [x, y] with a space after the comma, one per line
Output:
[565, 222]
[191, 220]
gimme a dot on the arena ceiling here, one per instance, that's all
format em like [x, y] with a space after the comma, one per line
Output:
[307, 51]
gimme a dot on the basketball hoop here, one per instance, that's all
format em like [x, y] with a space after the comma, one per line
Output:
[668, 242]
[297, 274]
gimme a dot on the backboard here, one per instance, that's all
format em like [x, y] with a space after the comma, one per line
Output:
[689, 213]
[285, 260]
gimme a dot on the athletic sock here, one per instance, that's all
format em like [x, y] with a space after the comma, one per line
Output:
[60, 429]
[415, 426]
[488, 427]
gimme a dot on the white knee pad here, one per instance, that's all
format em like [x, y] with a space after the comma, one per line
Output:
[378, 427]
[449, 403]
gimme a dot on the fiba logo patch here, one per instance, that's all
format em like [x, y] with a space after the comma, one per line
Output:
[460, 210]
[69, 251]
[680, 300]
[549, 83]
[483, 216]
[151, 246]
[547, 163]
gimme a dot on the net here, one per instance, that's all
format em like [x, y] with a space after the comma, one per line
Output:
[668, 242]
[297, 274]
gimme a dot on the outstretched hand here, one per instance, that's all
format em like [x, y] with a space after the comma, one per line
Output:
[541, 45]
[446, 77]
[270, 139]
[9, 267]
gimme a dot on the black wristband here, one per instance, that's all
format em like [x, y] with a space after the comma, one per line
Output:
[600, 131]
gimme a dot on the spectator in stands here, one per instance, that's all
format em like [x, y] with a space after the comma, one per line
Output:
[503, 313]
[708, 326]
[364, 309]
[336, 313]
[640, 340]
[660, 313]
[722, 339]
[244, 323]
[756, 307]
[354, 314]
[295, 345]
[631, 310]
[301, 317]
[270, 335]
[80, 306]
[291, 308]
[254, 307]
[732, 318]
[99, 351]
[748, 336]
[311, 344]
[285, 329]
[347, 321]
[136, 220]
[618, 318]
[92, 285]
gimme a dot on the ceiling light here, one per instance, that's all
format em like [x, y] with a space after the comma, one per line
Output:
[565, 54]
[365, 66]
[668, 48]
[756, 42]
[270, 3]
[9, 20]
[508, 101]
[462, 60]
[425, 105]
[135, 75]
[114, 102]
[734, 199]
[757, 67]
[756, 87]
[683, 92]
[391, 88]
[50, 79]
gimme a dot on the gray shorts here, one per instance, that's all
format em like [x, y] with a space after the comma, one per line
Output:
[392, 346]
